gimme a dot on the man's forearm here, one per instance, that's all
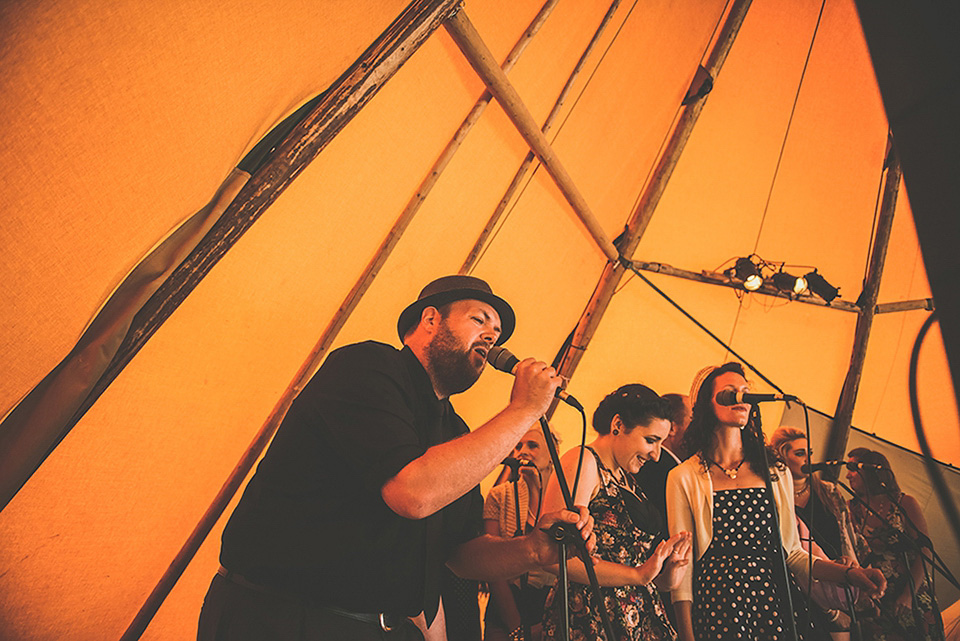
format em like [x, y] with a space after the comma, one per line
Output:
[491, 558]
[447, 471]
[609, 574]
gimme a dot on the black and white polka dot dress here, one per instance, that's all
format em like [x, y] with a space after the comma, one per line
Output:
[734, 583]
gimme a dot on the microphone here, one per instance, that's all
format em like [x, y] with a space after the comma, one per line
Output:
[515, 464]
[850, 465]
[503, 359]
[730, 397]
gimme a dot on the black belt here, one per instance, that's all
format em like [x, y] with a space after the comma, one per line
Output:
[386, 621]
[238, 579]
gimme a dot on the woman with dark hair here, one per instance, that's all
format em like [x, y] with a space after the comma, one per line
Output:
[719, 494]
[895, 531]
[632, 558]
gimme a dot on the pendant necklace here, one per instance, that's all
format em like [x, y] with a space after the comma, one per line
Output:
[732, 472]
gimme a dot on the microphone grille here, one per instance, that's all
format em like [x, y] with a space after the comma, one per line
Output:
[501, 358]
[727, 397]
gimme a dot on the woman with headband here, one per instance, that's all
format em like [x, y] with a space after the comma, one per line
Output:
[823, 523]
[720, 495]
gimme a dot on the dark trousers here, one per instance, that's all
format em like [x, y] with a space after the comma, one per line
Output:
[233, 612]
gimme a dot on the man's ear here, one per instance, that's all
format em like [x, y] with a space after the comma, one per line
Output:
[430, 319]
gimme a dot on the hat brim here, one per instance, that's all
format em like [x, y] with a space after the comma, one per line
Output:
[411, 315]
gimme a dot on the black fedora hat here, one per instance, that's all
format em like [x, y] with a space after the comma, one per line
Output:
[448, 289]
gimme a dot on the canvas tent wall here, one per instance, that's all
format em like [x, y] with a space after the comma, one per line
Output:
[121, 123]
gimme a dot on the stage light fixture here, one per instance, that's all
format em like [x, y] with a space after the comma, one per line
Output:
[789, 283]
[748, 272]
[819, 286]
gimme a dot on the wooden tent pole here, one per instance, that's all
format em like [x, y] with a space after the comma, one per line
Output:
[527, 163]
[843, 416]
[342, 101]
[337, 106]
[637, 224]
[688, 118]
[714, 278]
[905, 306]
[482, 61]
[426, 186]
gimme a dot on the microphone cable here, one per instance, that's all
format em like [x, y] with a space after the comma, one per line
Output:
[936, 478]
[629, 265]
[583, 446]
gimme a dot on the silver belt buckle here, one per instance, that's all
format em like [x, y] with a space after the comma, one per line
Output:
[383, 624]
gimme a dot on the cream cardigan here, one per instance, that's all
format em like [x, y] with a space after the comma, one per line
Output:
[690, 508]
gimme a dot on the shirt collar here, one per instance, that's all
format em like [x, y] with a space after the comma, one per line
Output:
[421, 380]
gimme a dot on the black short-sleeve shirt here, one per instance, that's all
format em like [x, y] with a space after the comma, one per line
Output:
[312, 519]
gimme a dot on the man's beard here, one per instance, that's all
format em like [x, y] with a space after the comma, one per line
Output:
[451, 365]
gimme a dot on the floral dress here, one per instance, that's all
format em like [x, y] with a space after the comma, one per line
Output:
[627, 528]
[890, 553]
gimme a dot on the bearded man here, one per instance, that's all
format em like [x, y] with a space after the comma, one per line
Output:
[371, 484]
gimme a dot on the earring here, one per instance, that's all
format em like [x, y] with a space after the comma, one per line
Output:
[615, 432]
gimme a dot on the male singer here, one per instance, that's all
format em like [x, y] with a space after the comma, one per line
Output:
[371, 484]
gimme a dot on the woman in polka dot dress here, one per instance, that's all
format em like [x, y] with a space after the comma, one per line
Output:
[719, 495]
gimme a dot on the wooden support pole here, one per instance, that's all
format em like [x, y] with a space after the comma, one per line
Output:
[678, 141]
[843, 417]
[527, 164]
[905, 306]
[714, 278]
[342, 101]
[640, 218]
[416, 201]
[480, 58]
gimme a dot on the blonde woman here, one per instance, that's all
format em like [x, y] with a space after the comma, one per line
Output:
[823, 523]
[512, 509]
[819, 504]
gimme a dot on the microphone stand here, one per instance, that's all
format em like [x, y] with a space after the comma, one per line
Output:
[564, 534]
[783, 576]
[563, 580]
[524, 624]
